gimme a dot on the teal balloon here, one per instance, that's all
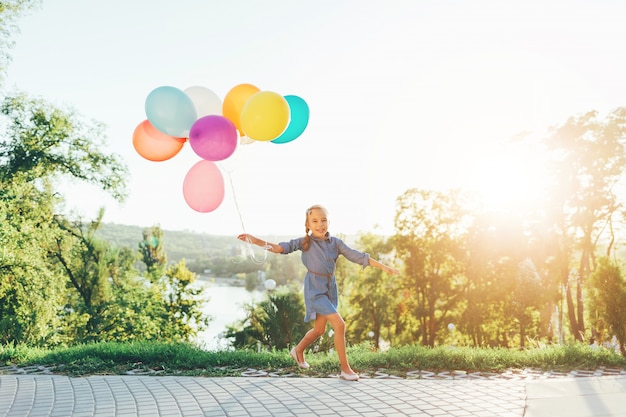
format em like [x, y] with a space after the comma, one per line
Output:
[171, 111]
[298, 121]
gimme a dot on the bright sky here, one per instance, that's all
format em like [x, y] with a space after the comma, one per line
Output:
[402, 94]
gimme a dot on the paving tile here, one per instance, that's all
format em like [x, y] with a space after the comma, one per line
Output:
[31, 394]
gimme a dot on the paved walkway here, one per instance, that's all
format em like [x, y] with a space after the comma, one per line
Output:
[63, 396]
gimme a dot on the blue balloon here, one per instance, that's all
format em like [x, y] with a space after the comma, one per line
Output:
[171, 111]
[299, 119]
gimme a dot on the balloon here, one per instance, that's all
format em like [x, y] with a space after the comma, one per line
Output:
[270, 284]
[244, 140]
[235, 100]
[265, 116]
[299, 118]
[154, 145]
[213, 137]
[203, 187]
[205, 101]
[171, 111]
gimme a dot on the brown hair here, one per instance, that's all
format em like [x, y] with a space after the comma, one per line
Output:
[306, 243]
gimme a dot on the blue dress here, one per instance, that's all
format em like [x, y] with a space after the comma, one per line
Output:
[320, 285]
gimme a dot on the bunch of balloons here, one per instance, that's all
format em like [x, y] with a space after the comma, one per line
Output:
[212, 128]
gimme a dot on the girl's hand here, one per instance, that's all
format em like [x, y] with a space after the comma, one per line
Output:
[245, 237]
[392, 271]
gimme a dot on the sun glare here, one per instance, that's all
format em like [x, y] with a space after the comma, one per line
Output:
[507, 179]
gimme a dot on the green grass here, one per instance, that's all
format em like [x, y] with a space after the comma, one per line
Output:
[186, 359]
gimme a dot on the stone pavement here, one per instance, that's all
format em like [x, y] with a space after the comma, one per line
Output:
[577, 397]
[57, 395]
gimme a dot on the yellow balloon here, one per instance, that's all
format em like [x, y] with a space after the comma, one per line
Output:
[234, 101]
[265, 116]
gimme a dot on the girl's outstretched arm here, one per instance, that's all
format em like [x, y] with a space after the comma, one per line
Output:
[272, 247]
[387, 269]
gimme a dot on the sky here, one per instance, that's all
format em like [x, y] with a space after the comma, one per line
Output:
[402, 94]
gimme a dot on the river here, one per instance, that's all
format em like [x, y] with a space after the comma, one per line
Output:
[225, 306]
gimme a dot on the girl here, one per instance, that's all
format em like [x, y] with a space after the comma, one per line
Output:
[319, 255]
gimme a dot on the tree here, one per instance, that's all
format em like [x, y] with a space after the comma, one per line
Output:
[286, 270]
[112, 302]
[132, 312]
[372, 295]
[607, 298]
[277, 322]
[183, 304]
[10, 10]
[41, 145]
[82, 258]
[107, 298]
[526, 297]
[31, 292]
[588, 161]
[430, 227]
[499, 246]
[46, 143]
[152, 253]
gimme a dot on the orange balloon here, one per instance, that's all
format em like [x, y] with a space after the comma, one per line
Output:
[154, 145]
[234, 101]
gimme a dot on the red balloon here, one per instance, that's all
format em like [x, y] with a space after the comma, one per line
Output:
[154, 145]
[203, 187]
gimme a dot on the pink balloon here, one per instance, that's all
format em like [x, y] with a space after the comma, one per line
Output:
[203, 187]
[213, 137]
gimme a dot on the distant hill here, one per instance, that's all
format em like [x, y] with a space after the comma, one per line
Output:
[178, 244]
[183, 244]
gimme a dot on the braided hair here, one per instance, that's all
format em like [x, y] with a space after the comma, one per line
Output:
[306, 243]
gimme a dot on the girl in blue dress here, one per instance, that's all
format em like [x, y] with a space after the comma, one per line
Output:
[320, 251]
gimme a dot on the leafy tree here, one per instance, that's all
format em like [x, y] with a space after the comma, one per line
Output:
[10, 10]
[372, 296]
[430, 228]
[497, 244]
[523, 301]
[286, 270]
[82, 258]
[588, 161]
[44, 142]
[152, 253]
[132, 306]
[488, 246]
[30, 291]
[183, 304]
[607, 298]
[135, 305]
[40, 145]
[112, 302]
[277, 322]
[105, 298]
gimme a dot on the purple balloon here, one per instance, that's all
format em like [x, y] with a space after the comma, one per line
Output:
[213, 138]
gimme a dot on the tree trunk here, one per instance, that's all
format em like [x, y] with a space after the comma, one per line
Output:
[571, 314]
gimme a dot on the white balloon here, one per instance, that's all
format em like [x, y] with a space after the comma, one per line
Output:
[204, 100]
[270, 284]
[244, 140]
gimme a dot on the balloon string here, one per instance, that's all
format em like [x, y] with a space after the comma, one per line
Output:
[249, 247]
[232, 187]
